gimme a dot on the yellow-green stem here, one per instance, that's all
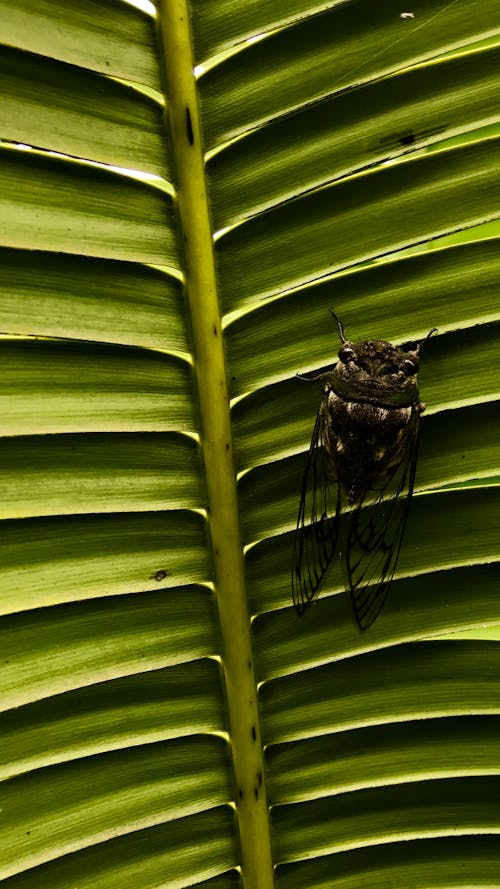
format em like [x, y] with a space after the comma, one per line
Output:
[251, 798]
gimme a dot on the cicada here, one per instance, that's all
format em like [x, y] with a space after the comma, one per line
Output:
[361, 465]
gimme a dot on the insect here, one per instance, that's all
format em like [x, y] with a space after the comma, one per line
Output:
[361, 461]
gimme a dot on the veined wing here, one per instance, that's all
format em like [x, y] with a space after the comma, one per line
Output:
[315, 543]
[375, 533]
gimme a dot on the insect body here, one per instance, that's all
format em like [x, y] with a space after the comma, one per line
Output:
[362, 459]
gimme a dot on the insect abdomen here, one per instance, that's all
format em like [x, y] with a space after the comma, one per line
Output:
[366, 442]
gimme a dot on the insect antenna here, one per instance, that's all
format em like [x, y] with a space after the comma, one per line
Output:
[339, 324]
[420, 345]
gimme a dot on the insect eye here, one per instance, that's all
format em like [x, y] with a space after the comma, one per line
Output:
[346, 354]
[410, 367]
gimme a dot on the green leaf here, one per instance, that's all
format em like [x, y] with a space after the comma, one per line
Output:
[184, 192]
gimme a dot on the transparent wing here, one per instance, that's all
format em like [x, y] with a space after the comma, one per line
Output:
[375, 533]
[315, 543]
